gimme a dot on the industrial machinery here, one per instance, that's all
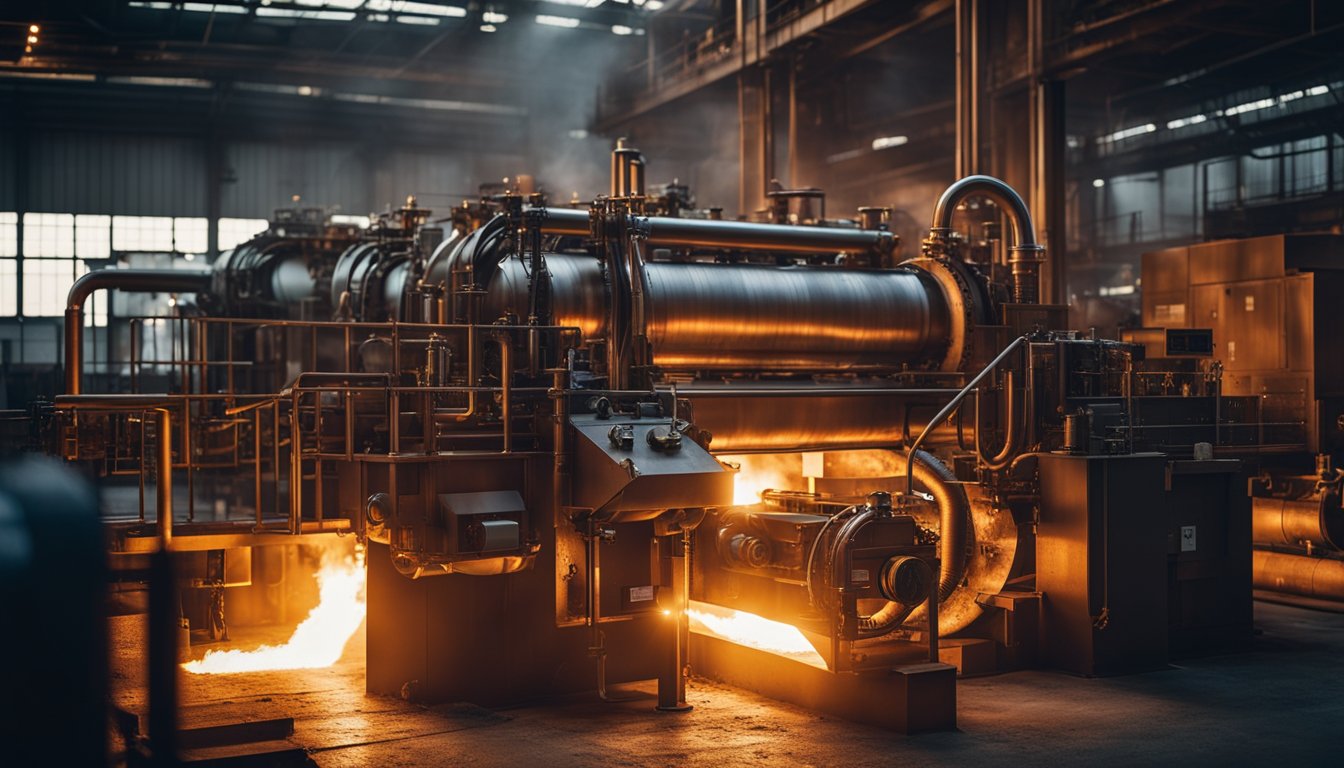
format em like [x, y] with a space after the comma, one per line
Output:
[1269, 310]
[537, 424]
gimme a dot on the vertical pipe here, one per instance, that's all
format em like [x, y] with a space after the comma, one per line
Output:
[767, 135]
[793, 128]
[164, 485]
[505, 381]
[741, 141]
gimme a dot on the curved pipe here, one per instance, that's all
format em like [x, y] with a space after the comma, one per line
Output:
[1026, 253]
[1024, 231]
[130, 280]
[954, 516]
[1012, 440]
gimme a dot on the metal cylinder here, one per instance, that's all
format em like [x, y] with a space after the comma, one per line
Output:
[751, 317]
[704, 317]
[711, 233]
[1297, 521]
[1298, 575]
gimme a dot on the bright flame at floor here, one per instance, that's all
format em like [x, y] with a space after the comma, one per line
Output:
[318, 641]
[753, 631]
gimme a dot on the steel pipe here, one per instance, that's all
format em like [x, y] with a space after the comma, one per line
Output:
[707, 233]
[130, 280]
[1026, 253]
[1297, 521]
[1298, 575]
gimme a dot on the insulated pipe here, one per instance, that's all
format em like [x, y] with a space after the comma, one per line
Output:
[1026, 253]
[130, 280]
[1298, 575]
[1294, 521]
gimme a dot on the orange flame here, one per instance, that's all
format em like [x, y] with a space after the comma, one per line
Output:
[318, 641]
[753, 631]
[760, 473]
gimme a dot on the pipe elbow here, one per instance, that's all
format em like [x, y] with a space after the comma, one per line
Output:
[1024, 231]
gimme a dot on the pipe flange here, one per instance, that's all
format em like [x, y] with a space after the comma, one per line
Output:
[961, 308]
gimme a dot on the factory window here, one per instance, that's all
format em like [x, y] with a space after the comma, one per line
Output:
[9, 299]
[46, 282]
[48, 235]
[233, 232]
[9, 234]
[191, 236]
[142, 233]
[9, 267]
[93, 237]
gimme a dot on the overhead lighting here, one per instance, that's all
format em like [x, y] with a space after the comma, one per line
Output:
[33, 29]
[578, 3]
[80, 78]
[153, 6]
[215, 8]
[621, 29]
[494, 17]
[653, 5]
[887, 142]
[1126, 133]
[422, 9]
[162, 82]
[1182, 122]
[285, 13]
[1098, 183]
[421, 20]
[489, 28]
[345, 5]
[1319, 90]
[557, 21]
[306, 90]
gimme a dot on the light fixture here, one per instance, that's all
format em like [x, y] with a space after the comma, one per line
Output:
[489, 28]
[33, 29]
[1098, 183]
[621, 29]
[887, 142]
[494, 17]
[557, 21]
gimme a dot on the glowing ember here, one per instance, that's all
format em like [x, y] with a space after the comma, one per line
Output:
[318, 641]
[760, 473]
[753, 631]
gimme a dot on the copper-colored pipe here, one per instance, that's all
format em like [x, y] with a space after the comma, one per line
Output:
[1293, 522]
[136, 280]
[164, 485]
[1298, 575]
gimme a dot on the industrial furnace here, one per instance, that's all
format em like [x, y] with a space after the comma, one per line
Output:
[535, 416]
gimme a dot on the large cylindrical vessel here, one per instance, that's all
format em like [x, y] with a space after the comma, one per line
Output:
[752, 317]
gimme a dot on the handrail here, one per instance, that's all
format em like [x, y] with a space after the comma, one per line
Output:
[952, 404]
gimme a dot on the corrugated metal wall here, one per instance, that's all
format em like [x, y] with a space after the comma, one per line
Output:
[166, 176]
[262, 177]
[7, 171]
[116, 174]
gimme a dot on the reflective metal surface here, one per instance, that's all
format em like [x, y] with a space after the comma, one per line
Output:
[757, 317]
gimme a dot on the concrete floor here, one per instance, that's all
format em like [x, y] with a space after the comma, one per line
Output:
[1282, 702]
